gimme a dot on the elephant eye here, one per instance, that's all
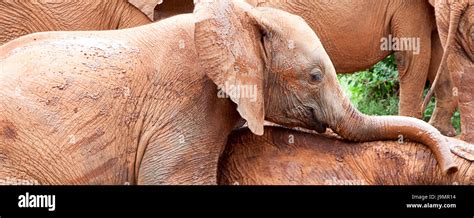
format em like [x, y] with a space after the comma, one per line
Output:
[316, 75]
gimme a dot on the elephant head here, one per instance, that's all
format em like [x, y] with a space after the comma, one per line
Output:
[293, 79]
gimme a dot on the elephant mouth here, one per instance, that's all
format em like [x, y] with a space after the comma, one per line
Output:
[320, 127]
[317, 125]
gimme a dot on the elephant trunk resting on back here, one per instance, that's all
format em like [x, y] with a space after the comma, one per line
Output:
[284, 156]
[142, 105]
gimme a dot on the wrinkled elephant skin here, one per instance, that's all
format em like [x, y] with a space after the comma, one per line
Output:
[283, 156]
[466, 104]
[455, 22]
[18, 18]
[155, 104]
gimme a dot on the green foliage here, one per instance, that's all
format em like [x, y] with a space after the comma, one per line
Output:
[456, 121]
[375, 90]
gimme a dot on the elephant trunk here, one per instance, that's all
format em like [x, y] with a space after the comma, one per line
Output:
[454, 20]
[355, 126]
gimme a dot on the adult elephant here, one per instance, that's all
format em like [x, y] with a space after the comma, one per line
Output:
[18, 18]
[359, 33]
[455, 21]
[288, 157]
[149, 105]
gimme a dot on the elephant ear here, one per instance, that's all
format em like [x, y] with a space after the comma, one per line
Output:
[146, 6]
[228, 42]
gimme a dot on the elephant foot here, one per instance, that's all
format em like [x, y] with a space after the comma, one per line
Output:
[445, 129]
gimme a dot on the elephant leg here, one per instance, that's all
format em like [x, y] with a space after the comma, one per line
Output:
[177, 160]
[446, 101]
[466, 104]
[413, 72]
[412, 46]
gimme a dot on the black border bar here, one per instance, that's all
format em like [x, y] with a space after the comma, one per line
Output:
[241, 200]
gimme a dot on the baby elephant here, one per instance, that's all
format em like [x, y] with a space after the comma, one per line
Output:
[284, 156]
[155, 104]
